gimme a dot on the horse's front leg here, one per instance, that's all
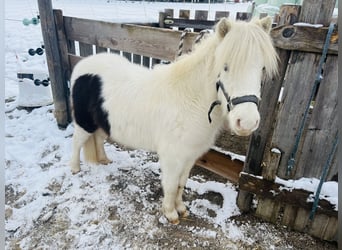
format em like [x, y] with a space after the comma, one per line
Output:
[180, 207]
[171, 173]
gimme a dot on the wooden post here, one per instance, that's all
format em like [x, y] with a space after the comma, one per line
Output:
[268, 108]
[64, 46]
[59, 85]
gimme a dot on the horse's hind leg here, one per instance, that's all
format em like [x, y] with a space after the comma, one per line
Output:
[80, 136]
[100, 137]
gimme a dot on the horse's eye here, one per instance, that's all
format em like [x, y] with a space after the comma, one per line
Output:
[226, 67]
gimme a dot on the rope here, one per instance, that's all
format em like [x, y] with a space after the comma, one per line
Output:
[181, 41]
[323, 177]
[197, 40]
[291, 161]
[201, 35]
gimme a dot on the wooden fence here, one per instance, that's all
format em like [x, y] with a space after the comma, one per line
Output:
[68, 39]
[284, 134]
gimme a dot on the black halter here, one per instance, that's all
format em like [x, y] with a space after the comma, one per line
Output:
[231, 102]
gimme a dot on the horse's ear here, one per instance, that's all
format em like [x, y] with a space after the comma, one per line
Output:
[265, 23]
[223, 27]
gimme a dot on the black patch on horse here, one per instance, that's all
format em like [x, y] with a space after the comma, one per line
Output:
[87, 102]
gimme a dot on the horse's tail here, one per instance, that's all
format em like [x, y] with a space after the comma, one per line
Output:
[89, 150]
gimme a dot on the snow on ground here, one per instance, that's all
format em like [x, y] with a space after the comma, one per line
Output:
[103, 207]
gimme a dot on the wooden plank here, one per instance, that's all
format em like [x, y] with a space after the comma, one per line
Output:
[297, 197]
[293, 106]
[269, 171]
[148, 41]
[289, 215]
[56, 73]
[331, 231]
[221, 164]
[288, 14]
[201, 14]
[303, 38]
[243, 16]
[221, 14]
[318, 11]
[302, 220]
[169, 12]
[184, 14]
[323, 126]
[319, 225]
[267, 209]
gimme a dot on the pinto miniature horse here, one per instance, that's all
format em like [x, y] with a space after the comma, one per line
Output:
[176, 110]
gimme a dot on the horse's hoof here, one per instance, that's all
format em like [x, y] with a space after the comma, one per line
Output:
[184, 214]
[75, 171]
[105, 161]
[174, 222]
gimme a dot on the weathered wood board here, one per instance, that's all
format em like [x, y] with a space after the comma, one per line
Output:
[322, 127]
[276, 192]
[141, 40]
[221, 164]
[304, 38]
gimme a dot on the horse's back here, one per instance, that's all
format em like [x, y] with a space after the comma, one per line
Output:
[103, 64]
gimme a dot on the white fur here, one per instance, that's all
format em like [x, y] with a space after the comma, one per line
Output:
[165, 109]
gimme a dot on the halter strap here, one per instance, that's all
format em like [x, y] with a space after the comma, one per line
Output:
[231, 102]
[245, 98]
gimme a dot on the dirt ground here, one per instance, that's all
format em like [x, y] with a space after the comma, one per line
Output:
[191, 233]
[137, 223]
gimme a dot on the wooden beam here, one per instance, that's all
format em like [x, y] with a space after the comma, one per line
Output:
[302, 38]
[142, 40]
[296, 197]
[188, 23]
[221, 164]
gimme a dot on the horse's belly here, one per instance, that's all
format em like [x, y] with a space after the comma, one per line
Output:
[132, 136]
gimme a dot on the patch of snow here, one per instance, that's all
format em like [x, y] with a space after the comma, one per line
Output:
[232, 155]
[276, 150]
[329, 189]
[308, 25]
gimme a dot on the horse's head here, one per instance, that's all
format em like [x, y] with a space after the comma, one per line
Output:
[244, 52]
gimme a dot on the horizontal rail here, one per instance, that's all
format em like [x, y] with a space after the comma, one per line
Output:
[142, 40]
[303, 38]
